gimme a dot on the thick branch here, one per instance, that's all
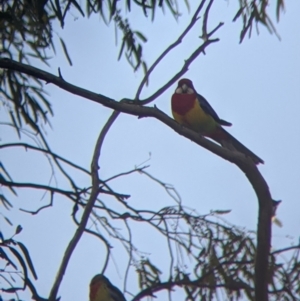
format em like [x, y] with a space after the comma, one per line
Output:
[261, 189]
[125, 107]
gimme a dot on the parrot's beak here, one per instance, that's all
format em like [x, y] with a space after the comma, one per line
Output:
[184, 88]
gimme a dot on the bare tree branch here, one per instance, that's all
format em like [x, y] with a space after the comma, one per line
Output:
[261, 189]
[194, 20]
[68, 193]
[296, 247]
[183, 70]
[46, 151]
[125, 106]
[197, 283]
[87, 210]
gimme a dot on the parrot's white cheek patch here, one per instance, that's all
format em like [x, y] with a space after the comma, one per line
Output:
[183, 90]
[190, 91]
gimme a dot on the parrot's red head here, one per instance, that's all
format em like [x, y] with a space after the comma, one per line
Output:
[185, 86]
[98, 285]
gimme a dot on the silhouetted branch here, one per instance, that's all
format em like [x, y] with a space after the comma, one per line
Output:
[261, 189]
[41, 208]
[169, 188]
[46, 151]
[205, 18]
[104, 240]
[296, 247]
[126, 173]
[125, 107]
[196, 283]
[193, 21]
[182, 71]
[70, 194]
[87, 210]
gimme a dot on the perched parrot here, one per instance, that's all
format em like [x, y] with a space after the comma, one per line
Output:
[101, 289]
[193, 111]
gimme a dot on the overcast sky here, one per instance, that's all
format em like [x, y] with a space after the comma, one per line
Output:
[255, 85]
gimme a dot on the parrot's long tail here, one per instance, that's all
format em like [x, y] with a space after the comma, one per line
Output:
[229, 142]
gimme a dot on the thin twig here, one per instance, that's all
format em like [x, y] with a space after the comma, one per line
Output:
[296, 247]
[205, 18]
[130, 254]
[87, 211]
[196, 283]
[41, 208]
[29, 146]
[126, 173]
[194, 19]
[106, 243]
[184, 69]
[68, 193]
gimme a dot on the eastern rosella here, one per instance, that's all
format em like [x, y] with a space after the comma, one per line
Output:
[193, 111]
[101, 289]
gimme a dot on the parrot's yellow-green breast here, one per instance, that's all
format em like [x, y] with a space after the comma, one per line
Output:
[100, 292]
[187, 111]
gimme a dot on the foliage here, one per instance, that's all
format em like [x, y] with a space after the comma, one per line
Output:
[255, 12]
[15, 262]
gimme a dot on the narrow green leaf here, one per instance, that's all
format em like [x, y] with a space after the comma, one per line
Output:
[141, 36]
[18, 229]
[12, 116]
[8, 220]
[128, 5]
[145, 8]
[5, 171]
[113, 8]
[5, 257]
[77, 6]
[145, 69]
[67, 8]
[65, 51]
[279, 7]
[153, 10]
[187, 4]
[45, 101]
[59, 13]
[28, 259]
[221, 211]
[239, 12]
[121, 49]
[5, 202]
